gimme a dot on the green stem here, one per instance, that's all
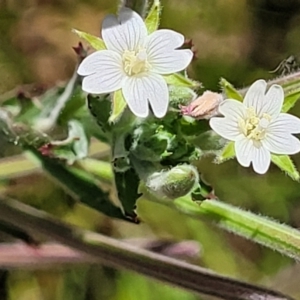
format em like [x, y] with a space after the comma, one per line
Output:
[259, 229]
[140, 6]
[289, 83]
[279, 237]
[117, 254]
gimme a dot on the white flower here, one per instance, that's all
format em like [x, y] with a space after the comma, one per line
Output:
[257, 127]
[135, 62]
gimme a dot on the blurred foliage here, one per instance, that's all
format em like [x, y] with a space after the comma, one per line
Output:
[36, 54]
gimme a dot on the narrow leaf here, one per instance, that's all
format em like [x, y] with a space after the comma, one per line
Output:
[290, 100]
[80, 184]
[118, 106]
[285, 163]
[94, 41]
[177, 79]
[127, 184]
[227, 153]
[230, 90]
[153, 18]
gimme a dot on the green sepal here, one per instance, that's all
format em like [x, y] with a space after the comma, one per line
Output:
[96, 42]
[230, 91]
[290, 100]
[228, 152]
[201, 192]
[153, 18]
[285, 163]
[177, 79]
[174, 183]
[180, 95]
[118, 106]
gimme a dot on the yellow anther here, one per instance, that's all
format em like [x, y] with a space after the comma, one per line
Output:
[135, 62]
[254, 127]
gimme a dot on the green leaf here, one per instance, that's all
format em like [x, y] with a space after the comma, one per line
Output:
[177, 79]
[100, 108]
[153, 18]
[94, 41]
[78, 183]
[285, 163]
[227, 153]
[290, 100]
[118, 106]
[127, 184]
[230, 91]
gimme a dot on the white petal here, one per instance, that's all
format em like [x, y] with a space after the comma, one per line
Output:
[285, 123]
[125, 32]
[261, 160]
[139, 90]
[104, 72]
[272, 102]
[255, 95]
[100, 61]
[225, 128]
[162, 57]
[244, 151]
[232, 109]
[171, 62]
[163, 40]
[281, 143]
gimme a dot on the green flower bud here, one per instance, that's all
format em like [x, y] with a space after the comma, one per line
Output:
[181, 95]
[174, 183]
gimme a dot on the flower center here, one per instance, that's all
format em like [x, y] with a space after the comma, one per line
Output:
[254, 127]
[135, 62]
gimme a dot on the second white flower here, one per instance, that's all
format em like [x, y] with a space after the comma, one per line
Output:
[257, 127]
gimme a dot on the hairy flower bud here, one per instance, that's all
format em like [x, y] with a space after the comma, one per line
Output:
[174, 183]
[204, 107]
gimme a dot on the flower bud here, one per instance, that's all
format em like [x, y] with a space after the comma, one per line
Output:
[174, 183]
[204, 107]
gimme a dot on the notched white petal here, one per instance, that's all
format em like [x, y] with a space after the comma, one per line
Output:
[232, 109]
[163, 40]
[285, 123]
[273, 101]
[282, 143]
[135, 96]
[255, 94]
[100, 61]
[125, 32]
[139, 91]
[171, 62]
[157, 93]
[261, 160]
[225, 128]
[244, 151]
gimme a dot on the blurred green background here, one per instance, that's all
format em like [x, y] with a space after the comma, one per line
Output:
[239, 40]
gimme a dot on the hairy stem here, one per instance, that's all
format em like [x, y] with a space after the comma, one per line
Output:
[117, 254]
[260, 229]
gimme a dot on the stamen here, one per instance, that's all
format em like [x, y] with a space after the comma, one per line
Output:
[254, 127]
[135, 62]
